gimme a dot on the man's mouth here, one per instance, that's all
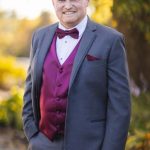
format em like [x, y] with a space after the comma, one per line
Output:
[69, 12]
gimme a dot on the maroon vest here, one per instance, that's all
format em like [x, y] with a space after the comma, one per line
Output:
[54, 90]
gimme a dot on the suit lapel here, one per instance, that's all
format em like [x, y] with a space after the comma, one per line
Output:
[85, 44]
[43, 49]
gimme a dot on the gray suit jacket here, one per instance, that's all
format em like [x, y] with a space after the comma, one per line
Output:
[98, 110]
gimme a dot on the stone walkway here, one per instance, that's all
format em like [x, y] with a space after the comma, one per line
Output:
[11, 139]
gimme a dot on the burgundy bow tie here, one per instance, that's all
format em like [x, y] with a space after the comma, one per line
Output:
[74, 33]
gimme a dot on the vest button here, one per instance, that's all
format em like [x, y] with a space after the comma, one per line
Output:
[57, 126]
[58, 99]
[58, 111]
[59, 84]
[60, 70]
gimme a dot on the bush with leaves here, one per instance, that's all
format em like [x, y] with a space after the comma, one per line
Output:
[11, 109]
[11, 73]
[139, 141]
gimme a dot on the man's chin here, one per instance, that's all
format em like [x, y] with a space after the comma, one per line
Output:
[70, 24]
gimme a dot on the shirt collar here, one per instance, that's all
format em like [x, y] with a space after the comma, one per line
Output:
[81, 26]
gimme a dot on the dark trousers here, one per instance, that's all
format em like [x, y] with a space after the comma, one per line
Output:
[41, 142]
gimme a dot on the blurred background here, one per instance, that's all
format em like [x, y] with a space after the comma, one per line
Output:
[19, 19]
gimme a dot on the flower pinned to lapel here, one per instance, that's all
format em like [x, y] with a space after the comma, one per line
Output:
[92, 58]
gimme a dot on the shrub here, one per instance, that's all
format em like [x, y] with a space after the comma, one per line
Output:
[140, 113]
[139, 141]
[11, 109]
[139, 133]
[11, 73]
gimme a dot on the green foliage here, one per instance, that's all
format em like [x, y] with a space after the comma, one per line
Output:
[102, 11]
[139, 141]
[139, 133]
[133, 19]
[11, 73]
[136, 13]
[11, 109]
[140, 113]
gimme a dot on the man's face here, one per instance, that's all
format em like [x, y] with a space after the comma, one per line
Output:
[70, 12]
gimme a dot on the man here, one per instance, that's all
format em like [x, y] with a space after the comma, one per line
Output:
[77, 93]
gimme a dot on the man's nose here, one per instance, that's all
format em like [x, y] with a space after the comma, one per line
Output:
[68, 4]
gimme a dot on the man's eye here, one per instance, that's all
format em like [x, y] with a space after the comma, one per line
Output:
[61, 0]
[75, 0]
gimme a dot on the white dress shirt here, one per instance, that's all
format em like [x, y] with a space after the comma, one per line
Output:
[66, 45]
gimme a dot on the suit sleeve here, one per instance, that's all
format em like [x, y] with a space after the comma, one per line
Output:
[119, 107]
[29, 126]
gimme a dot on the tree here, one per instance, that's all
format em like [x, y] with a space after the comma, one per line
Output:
[133, 18]
[101, 11]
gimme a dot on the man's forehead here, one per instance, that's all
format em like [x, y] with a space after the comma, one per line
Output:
[74, 1]
[70, 0]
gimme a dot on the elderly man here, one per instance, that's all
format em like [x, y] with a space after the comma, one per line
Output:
[77, 93]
